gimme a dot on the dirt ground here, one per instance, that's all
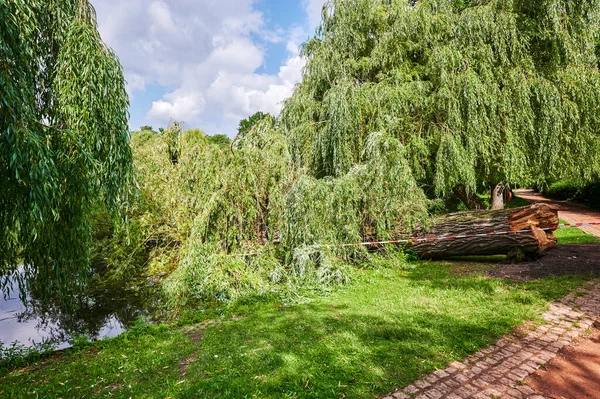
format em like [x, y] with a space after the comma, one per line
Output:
[565, 259]
[574, 373]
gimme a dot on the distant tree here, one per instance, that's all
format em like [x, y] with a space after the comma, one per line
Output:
[219, 139]
[147, 127]
[247, 124]
[63, 137]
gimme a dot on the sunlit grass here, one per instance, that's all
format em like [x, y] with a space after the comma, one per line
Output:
[573, 235]
[382, 331]
[517, 202]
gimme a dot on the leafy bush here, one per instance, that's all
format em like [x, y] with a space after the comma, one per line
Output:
[575, 190]
[207, 273]
[225, 223]
[567, 189]
[18, 355]
[80, 341]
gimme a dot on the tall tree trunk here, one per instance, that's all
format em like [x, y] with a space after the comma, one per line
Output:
[498, 196]
[469, 198]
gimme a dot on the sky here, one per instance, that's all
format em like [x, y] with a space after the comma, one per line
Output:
[207, 63]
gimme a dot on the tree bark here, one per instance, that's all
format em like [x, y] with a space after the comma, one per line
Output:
[531, 243]
[498, 196]
[469, 198]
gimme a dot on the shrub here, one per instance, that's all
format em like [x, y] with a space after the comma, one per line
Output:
[18, 355]
[567, 189]
[208, 273]
[226, 223]
[575, 190]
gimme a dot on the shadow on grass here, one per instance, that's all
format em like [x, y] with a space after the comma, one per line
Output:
[386, 338]
[322, 355]
[381, 332]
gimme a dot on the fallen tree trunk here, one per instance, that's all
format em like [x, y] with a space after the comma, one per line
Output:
[531, 243]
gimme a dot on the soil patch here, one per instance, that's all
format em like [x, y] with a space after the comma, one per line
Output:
[563, 260]
[196, 336]
[573, 374]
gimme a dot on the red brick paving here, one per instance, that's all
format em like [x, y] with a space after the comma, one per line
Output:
[567, 211]
[498, 371]
[574, 373]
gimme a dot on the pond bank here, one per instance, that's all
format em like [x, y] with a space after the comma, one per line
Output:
[105, 309]
[384, 330]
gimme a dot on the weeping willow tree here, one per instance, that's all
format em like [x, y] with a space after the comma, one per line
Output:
[479, 92]
[397, 98]
[206, 222]
[64, 138]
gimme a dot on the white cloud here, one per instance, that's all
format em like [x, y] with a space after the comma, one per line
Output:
[177, 105]
[160, 17]
[206, 54]
[314, 9]
[134, 82]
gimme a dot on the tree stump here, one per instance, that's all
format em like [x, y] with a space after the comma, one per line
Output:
[534, 242]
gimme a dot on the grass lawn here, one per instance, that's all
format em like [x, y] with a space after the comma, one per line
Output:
[517, 202]
[573, 235]
[382, 331]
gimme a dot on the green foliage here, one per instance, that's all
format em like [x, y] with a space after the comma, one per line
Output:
[396, 98]
[575, 190]
[239, 193]
[80, 341]
[64, 138]
[377, 199]
[207, 274]
[566, 189]
[209, 219]
[219, 139]
[199, 213]
[247, 124]
[171, 137]
[17, 355]
[477, 92]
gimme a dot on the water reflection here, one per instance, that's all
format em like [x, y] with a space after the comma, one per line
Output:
[103, 310]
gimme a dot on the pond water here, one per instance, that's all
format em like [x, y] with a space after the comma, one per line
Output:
[101, 312]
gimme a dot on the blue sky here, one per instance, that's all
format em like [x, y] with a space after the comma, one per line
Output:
[208, 63]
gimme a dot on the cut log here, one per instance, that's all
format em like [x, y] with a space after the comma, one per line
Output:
[531, 243]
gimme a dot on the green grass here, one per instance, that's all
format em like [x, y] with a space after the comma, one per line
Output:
[382, 331]
[573, 235]
[517, 202]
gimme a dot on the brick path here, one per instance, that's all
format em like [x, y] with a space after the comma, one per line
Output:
[498, 371]
[567, 211]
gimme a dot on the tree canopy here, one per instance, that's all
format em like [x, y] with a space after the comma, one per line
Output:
[248, 123]
[477, 91]
[64, 136]
[400, 102]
